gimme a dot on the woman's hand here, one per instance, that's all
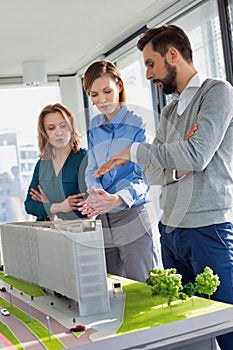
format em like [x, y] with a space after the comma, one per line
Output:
[99, 202]
[69, 204]
[75, 199]
[38, 195]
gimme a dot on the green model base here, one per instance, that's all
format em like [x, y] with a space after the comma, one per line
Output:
[144, 311]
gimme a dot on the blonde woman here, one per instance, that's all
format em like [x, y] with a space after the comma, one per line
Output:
[58, 180]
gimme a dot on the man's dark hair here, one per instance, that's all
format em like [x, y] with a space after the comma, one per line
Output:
[166, 36]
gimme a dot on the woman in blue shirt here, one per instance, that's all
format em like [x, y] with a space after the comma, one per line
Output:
[119, 197]
[58, 180]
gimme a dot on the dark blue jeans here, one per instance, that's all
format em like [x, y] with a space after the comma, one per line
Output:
[190, 250]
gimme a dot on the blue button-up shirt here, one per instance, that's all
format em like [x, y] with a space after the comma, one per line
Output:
[106, 139]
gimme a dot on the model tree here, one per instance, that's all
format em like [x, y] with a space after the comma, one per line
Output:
[165, 283]
[207, 282]
[190, 289]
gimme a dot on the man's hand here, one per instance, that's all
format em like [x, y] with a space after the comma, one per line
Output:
[191, 131]
[123, 157]
[120, 158]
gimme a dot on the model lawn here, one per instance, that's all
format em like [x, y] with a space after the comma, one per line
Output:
[34, 325]
[162, 300]
[4, 330]
[142, 310]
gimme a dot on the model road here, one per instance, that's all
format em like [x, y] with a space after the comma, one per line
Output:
[22, 333]
[28, 339]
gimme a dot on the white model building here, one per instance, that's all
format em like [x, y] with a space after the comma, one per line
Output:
[66, 257]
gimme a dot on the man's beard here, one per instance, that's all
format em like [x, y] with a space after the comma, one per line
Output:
[169, 84]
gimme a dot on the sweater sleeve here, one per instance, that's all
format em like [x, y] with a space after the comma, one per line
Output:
[214, 118]
[158, 175]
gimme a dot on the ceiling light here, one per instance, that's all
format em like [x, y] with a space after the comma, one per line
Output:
[34, 73]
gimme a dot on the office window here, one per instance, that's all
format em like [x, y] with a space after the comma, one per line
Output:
[230, 11]
[20, 108]
[203, 29]
[139, 98]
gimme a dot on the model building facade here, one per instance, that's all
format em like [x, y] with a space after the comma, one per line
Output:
[66, 257]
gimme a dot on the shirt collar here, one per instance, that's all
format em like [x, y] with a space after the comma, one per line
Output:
[195, 82]
[116, 120]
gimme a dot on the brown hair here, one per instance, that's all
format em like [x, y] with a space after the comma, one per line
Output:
[45, 148]
[166, 36]
[97, 70]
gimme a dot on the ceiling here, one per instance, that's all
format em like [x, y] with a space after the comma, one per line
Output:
[67, 34]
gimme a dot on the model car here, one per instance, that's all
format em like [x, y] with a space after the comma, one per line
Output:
[5, 312]
[78, 328]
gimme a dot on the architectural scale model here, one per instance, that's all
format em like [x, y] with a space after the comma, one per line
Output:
[63, 256]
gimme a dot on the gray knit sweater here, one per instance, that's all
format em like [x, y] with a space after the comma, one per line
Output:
[205, 195]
